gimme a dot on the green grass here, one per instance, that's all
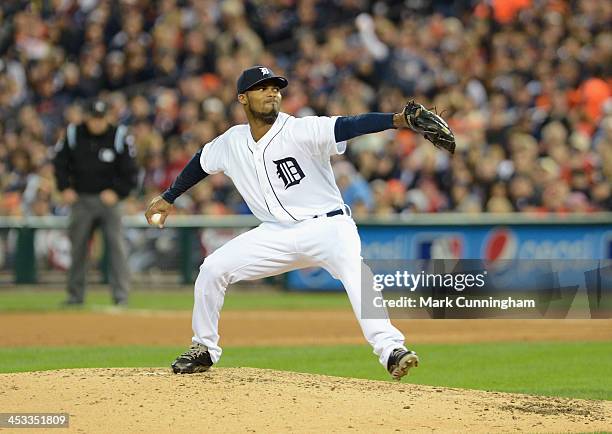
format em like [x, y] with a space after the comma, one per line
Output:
[49, 300]
[576, 370]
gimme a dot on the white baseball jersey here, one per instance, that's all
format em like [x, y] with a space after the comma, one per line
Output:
[285, 176]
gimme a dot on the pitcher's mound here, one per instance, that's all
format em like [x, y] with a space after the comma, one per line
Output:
[260, 400]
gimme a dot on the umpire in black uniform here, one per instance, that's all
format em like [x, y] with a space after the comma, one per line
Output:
[95, 169]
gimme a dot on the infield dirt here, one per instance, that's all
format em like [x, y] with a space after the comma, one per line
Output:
[258, 400]
[273, 327]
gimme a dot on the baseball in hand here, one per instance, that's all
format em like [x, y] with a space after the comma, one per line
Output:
[156, 218]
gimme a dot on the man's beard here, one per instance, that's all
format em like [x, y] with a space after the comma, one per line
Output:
[269, 117]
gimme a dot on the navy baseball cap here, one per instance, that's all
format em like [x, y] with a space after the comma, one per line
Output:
[255, 75]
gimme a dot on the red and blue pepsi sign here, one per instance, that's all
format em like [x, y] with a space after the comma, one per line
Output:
[487, 242]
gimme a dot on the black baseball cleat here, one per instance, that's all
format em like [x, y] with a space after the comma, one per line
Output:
[195, 359]
[400, 362]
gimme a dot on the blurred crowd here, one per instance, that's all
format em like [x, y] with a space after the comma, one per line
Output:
[525, 85]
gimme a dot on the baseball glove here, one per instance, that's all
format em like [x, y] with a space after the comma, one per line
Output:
[430, 125]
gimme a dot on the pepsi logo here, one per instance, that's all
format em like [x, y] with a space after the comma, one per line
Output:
[500, 244]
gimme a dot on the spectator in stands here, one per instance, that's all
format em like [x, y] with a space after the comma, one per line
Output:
[525, 85]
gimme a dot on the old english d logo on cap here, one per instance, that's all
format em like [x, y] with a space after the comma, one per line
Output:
[255, 75]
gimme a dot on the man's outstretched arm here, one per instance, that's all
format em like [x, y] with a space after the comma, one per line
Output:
[414, 116]
[349, 127]
[191, 174]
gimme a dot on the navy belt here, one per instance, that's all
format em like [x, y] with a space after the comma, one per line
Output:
[331, 213]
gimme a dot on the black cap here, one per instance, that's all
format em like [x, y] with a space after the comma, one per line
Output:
[255, 75]
[98, 108]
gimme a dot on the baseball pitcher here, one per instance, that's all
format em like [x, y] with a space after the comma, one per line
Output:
[281, 166]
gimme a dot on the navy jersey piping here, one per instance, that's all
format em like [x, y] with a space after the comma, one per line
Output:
[270, 182]
[257, 174]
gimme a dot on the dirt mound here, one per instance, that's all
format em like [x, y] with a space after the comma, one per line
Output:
[257, 400]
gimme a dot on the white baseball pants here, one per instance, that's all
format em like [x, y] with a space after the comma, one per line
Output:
[274, 248]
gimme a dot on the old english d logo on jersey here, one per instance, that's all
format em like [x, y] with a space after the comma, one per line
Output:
[289, 171]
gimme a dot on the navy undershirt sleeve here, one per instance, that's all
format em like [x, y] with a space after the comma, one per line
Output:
[348, 127]
[191, 174]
